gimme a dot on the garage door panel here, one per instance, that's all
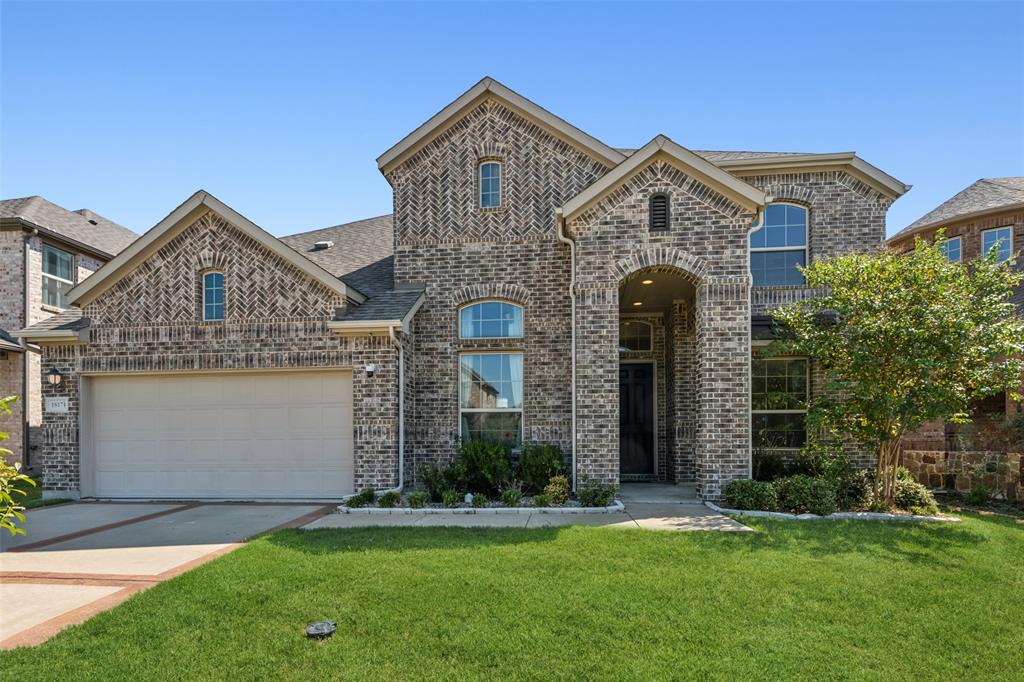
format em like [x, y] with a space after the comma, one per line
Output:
[246, 435]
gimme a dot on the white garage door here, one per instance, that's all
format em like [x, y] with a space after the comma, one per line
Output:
[235, 436]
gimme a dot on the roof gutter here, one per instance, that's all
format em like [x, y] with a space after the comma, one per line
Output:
[560, 234]
[56, 236]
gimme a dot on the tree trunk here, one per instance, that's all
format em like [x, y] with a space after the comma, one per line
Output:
[885, 475]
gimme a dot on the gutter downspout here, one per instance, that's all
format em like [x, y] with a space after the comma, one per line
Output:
[401, 408]
[560, 234]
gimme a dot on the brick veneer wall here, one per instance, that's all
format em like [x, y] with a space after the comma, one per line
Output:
[276, 318]
[12, 315]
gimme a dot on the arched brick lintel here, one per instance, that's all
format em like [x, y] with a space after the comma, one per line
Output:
[689, 266]
[475, 292]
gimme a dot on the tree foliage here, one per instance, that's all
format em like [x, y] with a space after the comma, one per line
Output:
[904, 339]
[10, 477]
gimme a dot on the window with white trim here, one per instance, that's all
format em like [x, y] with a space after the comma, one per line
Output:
[491, 397]
[950, 248]
[779, 245]
[213, 296]
[778, 402]
[58, 276]
[1000, 239]
[634, 335]
[491, 320]
[490, 184]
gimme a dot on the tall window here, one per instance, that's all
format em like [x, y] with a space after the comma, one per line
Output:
[491, 397]
[58, 276]
[778, 402]
[491, 320]
[951, 249]
[213, 296]
[490, 184]
[634, 335]
[779, 245]
[1000, 239]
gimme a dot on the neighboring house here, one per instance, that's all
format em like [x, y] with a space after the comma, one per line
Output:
[44, 251]
[986, 216]
[533, 284]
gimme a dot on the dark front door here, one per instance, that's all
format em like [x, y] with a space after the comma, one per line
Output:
[636, 419]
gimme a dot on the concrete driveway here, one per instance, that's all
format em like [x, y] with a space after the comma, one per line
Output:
[79, 559]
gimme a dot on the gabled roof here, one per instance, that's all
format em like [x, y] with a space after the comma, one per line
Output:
[9, 343]
[488, 87]
[163, 231]
[988, 195]
[730, 186]
[82, 227]
[67, 325]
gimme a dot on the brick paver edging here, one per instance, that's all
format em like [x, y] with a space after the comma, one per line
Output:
[617, 508]
[836, 516]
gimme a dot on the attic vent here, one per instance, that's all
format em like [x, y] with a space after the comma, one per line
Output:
[92, 222]
[659, 212]
[321, 245]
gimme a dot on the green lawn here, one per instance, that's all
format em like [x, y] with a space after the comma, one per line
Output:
[821, 600]
[33, 497]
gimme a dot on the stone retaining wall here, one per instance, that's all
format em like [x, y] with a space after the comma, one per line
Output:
[1002, 472]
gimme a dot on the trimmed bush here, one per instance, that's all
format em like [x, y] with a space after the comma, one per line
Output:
[541, 500]
[362, 499]
[483, 465]
[558, 489]
[418, 499]
[538, 463]
[855, 490]
[593, 494]
[390, 499]
[914, 497]
[802, 494]
[450, 498]
[479, 500]
[752, 495]
[437, 479]
[512, 496]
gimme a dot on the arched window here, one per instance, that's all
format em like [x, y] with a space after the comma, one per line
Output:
[659, 212]
[634, 335]
[213, 296]
[491, 320]
[490, 184]
[779, 245]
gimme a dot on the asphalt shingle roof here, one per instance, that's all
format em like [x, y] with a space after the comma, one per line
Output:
[66, 320]
[984, 195]
[713, 156]
[356, 245]
[8, 342]
[387, 305]
[82, 226]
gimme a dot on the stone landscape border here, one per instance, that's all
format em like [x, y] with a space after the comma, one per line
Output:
[616, 508]
[837, 516]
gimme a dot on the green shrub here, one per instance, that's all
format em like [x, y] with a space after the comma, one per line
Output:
[483, 466]
[541, 500]
[752, 495]
[558, 489]
[450, 498]
[979, 495]
[802, 494]
[538, 463]
[362, 499]
[914, 497]
[855, 490]
[418, 499]
[390, 499]
[512, 495]
[593, 494]
[479, 500]
[437, 479]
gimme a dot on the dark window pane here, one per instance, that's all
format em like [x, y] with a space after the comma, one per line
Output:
[778, 430]
[499, 426]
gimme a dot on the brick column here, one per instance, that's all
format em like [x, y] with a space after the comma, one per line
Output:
[597, 383]
[375, 412]
[723, 384]
[684, 393]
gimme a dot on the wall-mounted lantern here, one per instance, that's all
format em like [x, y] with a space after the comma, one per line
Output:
[370, 370]
[54, 376]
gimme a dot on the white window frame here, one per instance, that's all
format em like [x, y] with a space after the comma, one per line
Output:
[480, 183]
[1008, 228]
[223, 290]
[807, 397]
[959, 248]
[650, 336]
[765, 249]
[488, 410]
[522, 319]
[46, 275]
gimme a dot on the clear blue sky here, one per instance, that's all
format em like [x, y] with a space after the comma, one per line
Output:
[281, 109]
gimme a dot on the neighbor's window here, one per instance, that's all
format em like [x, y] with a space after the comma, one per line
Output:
[778, 402]
[58, 276]
[491, 320]
[779, 245]
[213, 296]
[951, 249]
[1001, 239]
[490, 184]
[491, 397]
[634, 335]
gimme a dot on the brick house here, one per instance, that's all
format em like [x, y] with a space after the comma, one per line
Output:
[988, 214]
[44, 251]
[532, 284]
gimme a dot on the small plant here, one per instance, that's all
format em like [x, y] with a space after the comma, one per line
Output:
[390, 499]
[512, 495]
[538, 463]
[557, 489]
[10, 478]
[752, 495]
[978, 496]
[479, 500]
[362, 499]
[914, 497]
[418, 499]
[483, 465]
[437, 479]
[450, 498]
[541, 500]
[594, 494]
[805, 494]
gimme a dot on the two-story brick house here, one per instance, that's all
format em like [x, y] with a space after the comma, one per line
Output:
[533, 284]
[44, 251]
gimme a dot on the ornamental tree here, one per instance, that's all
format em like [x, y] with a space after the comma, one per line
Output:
[904, 339]
[10, 477]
